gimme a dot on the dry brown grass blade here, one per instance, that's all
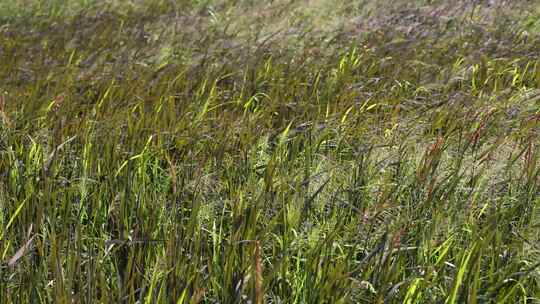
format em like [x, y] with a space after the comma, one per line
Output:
[198, 296]
[22, 251]
[3, 114]
[259, 297]
[58, 101]
[47, 164]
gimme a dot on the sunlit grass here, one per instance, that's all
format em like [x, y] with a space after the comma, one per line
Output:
[236, 151]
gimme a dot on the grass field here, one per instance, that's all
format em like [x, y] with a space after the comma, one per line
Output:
[308, 151]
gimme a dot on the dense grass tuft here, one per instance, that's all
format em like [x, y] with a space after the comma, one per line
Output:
[285, 152]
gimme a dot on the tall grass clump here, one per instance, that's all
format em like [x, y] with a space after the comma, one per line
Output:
[284, 152]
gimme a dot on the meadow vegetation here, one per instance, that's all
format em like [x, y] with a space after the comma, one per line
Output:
[308, 151]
